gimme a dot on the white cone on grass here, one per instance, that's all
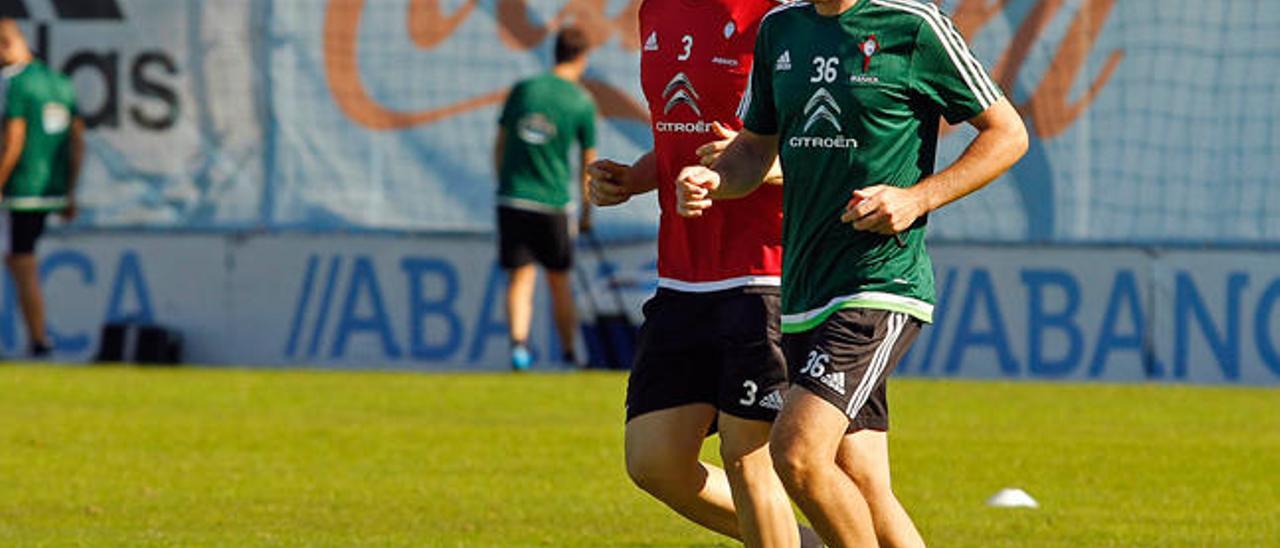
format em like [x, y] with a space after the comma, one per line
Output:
[1012, 497]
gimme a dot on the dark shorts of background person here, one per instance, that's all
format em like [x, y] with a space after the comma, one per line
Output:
[847, 359]
[722, 348]
[23, 229]
[530, 236]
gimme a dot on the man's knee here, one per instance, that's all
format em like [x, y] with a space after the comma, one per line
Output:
[735, 458]
[643, 472]
[870, 481]
[865, 461]
[662, 448]
[654, 472]
[796, 462]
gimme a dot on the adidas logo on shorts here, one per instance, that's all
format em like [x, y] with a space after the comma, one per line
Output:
[835, 381]
[652, 43]
[772, 401]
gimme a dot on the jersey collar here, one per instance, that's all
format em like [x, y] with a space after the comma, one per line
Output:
[13, 70]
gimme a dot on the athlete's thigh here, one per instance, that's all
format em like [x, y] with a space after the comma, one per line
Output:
[674, 364]
[739, 436]
[846, 359]
[753, 372]
[808, 425]
[672, 435]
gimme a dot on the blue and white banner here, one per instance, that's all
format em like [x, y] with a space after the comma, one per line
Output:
[436, 303]
[1099, 314]
[1152, 121]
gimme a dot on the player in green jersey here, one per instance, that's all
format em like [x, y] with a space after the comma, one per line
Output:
[43, 147]
[542, 118]
[849, 94]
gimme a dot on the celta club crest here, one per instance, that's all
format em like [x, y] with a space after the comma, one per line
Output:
[869, 47]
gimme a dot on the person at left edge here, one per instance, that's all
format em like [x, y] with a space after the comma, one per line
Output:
[43, 148]
[543, 116]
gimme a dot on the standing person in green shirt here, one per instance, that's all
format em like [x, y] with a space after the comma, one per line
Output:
[40, 160]
[849, 93]
[542, 118]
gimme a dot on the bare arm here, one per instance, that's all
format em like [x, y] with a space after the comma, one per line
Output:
[1001, 141]
[75, 158]
[739, 171]
[587, 158]
[710, 153]
[15, 137]
[643, 175]
[499, 148]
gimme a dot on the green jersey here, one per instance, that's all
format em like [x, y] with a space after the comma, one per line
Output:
[46, 100]
[543, 116]
[856, 100]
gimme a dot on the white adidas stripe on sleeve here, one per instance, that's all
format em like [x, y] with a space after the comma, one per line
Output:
[976, 79]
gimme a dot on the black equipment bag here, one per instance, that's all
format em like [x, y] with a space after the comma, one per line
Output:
[127, 342]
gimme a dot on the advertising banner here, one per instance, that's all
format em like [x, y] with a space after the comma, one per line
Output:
[437, 303]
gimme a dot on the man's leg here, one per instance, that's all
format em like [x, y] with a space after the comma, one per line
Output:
[520, 284]
[806, 438]
[26, 278]
[516, 257]
[563, 308]
[662, 449]
[764, 512]
[753, 380]
[864, 457]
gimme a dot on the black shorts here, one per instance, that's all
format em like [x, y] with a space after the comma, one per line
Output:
[847, 359]
[721, 348]
[24, 228]
[528, 236]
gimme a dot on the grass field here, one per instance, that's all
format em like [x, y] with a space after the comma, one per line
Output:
[191, 457]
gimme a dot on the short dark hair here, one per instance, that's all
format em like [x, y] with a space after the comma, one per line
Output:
[571, 43]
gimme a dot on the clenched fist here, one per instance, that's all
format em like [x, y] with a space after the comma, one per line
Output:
[883, 209]
[693, 190]
[606, 184]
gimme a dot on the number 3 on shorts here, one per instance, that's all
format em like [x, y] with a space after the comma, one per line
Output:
[750, 398]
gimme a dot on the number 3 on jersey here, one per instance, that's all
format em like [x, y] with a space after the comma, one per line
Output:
[688, 48]
[828, 68]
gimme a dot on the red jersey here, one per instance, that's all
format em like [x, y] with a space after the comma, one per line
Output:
[696, 57]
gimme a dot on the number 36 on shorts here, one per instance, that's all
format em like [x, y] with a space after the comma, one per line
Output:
[816, 365]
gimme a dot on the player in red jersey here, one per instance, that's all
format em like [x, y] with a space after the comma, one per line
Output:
[721, 270]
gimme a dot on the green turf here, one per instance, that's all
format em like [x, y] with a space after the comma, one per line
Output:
[133, 457]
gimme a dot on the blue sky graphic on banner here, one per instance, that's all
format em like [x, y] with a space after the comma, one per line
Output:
[1152, 121]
